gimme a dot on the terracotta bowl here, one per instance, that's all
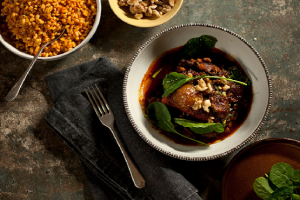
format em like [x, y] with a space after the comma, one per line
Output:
[124, 14]
[229, 42]
[6, 42]
[255, 161]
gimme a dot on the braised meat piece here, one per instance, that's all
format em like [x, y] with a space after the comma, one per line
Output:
[204, 65]
[184, 99]
[221, 105]
[236, 91]
[194, 73]
[209, 68]
[223, 72]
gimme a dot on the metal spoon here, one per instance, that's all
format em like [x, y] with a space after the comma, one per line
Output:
[13, 93]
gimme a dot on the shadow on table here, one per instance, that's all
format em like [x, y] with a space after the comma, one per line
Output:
[68, 159]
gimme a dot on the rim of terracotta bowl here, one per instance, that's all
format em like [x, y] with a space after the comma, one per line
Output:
[188, 157]
[63, 55]
[250, 147]
[144, 22]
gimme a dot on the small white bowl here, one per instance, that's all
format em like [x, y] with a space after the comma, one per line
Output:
[228, 42]
[16, 51]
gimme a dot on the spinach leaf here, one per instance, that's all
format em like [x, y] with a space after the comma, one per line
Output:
[281, 193]
[159, 115]
[173, 81]
[294, 175]
[296, 184]
[200, 128]
[196, 46]
[279, 174]
[295, 197]
[236, 74]
[261, 188]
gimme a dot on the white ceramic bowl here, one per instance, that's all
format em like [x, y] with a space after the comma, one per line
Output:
[14, 50]
[229, 42]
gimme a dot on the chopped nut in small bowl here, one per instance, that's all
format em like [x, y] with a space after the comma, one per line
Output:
[145, 13]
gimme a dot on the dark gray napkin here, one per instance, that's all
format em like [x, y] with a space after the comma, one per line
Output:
[75, 121]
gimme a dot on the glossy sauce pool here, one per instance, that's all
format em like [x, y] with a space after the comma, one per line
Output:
[168, 62]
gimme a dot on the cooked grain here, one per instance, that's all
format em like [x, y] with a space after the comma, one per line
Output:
[32, 23]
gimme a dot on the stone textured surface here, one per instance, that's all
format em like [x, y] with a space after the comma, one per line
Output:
[36, 164]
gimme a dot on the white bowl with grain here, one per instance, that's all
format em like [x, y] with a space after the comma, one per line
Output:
[5, 41]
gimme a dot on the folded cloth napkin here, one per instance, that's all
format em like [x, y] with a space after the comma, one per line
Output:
[75, 121]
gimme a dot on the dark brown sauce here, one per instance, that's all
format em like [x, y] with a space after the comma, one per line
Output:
[168, 62]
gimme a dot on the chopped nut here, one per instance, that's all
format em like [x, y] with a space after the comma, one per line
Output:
[148, 13]
[132, 9]
[172, 2]
[148, 7]
[159, 3]
[145, 3]
[138, 16]
[208, 60]
[199, 60]
[197, 105]
[224, 94]
[206, 104]
[209, 88]
[201, 83]
[166, 8]
[158, 14]
[211, 119]
[199, 89]
[226, 87]
[123, 3]
[153, 6]
[159, 8]
[207, 80]
[190, 75]
[223, 81]
[133, 2]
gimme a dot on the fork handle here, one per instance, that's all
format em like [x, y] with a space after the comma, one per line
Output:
[136, 175]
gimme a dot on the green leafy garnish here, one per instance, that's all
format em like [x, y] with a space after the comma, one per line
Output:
[200, 128]
[280, 184]
[261, 188]
[236, 74]
[279, 174]
[156, 73]
[159, 115]
[175, 80]
[295, 197]
[196, 46]
[281, 193]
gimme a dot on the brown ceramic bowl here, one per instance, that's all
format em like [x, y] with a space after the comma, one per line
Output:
[255, 161]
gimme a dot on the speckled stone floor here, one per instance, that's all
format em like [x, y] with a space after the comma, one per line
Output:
[36, 164]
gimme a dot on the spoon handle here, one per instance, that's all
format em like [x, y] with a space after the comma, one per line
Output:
[13, 93]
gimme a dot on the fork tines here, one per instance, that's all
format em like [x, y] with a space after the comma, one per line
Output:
[99, 99]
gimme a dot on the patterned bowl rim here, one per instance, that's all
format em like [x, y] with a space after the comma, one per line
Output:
[190, 158]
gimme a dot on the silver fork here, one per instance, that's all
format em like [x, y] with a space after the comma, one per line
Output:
[106, 117]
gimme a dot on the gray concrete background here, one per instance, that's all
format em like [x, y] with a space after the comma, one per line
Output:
[36, 164]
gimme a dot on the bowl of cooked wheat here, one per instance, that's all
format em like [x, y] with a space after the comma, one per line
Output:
[26, 25]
